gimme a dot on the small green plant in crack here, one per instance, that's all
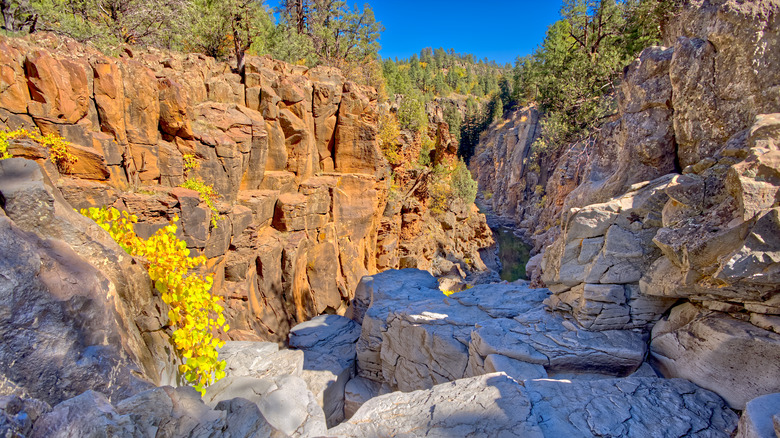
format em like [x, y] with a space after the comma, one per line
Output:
[207, 193]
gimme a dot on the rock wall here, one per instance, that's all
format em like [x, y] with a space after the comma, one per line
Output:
[292, 152]
[674, 200]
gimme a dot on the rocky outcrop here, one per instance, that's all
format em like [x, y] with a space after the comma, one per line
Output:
[709, 348]
[413, 337]
[595, 267]
[292, 153]
[420, 227]
[163, 411]
[495, 405]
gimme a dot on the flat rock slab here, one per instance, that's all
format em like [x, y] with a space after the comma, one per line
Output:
[628, 407]
[414, 337]
[492, 405]
[497, 406]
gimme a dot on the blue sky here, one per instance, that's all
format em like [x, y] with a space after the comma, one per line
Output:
[498, 30]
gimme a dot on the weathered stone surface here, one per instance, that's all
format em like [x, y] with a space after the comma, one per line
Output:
[328, 85]
[733, 358]
[142, 104]
[631, 407]
[597, 263]
[167, 411]
[356, 148]
[109, 95]
[89, 414]
[328, 345]
[495, 405]
[260, 360]
[725, 58]
[245, 420]
[134, 118]
[174, 116]
[15, 94]
[58, 89]
[756, 420]
[359, 390]
[18, 415]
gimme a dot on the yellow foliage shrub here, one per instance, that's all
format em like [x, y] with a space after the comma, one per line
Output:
[388, 137]
[58, 147]
[194, 311]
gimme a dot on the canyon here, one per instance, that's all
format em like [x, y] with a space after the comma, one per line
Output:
[652, 306]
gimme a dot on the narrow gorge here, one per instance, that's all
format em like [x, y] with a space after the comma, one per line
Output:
[359, 284]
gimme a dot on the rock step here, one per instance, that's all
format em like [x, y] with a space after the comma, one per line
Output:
[414, 337]
[496, 405]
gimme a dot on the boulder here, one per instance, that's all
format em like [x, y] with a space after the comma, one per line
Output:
[18, 415]
[359, 390]
[285, 402]
[245, 420]
[489, 405]
[757, 418]
[710, 349]
[168, 411]
[260, 360]
[328, 345]
[89, 414]
[630, 407]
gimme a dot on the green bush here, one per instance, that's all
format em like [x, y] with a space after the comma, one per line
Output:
[463, 184]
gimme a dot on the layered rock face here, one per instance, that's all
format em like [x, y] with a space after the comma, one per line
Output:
[676, 199]
[292, 153]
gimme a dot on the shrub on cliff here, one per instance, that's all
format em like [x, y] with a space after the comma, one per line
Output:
[448, 184]
[57, 146]
[463, 184]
